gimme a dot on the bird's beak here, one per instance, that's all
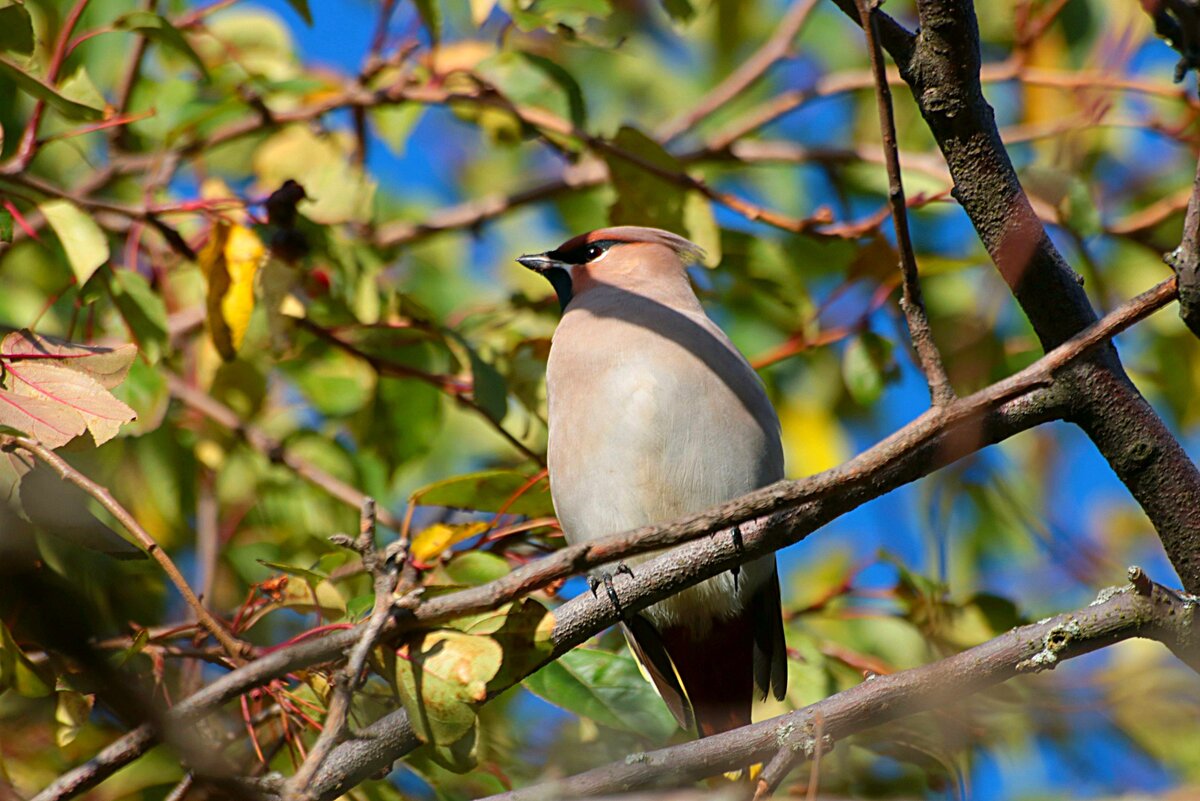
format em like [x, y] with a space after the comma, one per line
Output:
[542, 263]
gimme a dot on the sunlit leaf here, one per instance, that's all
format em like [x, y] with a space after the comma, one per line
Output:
[43, 91]
[159, 29]
[230, 261]
[338, 190]
[481, 10]
[73, 393]
[78, 86]
[82, 239]
[430, 543]
[442, 677]
[71, 713]
[108, 364]
[489, 491]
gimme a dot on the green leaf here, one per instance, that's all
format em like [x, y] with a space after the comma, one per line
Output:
[867, 364]
[16, 28]
[16, 671]
[43, 91]
[555, 16]
[143, 311]
[473, 568]
[702, 228]
[6, 226]
[160, 30]
[311, 577]
[337, 383]
[301, 8]
[525, 633]
[82, 239]
[679, 10]
[395, 123]
[564, 81]
[488, 387]
[338, 190]
[80, 88]
[644, 198]
[488, 491]
[431, 17]
[442, 677]
[606, 687]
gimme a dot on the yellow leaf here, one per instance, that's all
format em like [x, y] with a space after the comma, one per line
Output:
[813, 439]
[71, 713]
[230, 260]
[430, 543]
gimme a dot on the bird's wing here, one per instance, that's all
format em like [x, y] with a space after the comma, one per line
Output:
[651, 655]
[770, 648]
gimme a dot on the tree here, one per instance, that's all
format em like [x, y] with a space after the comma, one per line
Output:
[228, 265]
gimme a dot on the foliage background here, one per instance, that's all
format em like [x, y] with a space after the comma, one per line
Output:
[1104, 144]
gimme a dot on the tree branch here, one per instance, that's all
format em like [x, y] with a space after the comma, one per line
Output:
[1154, 612]
[772, 51]
[236, 649]
[911, 302]
[943, 69]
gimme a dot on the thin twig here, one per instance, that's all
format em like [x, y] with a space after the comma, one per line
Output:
[386, 570]
[772, 51]
[911, 302]
[787, 758]
[26, 149]
[235, 648]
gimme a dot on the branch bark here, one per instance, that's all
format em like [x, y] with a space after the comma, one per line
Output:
[1150, 611]
[942, 66]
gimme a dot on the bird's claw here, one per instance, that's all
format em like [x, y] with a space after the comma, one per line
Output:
[738, 545]
[605, 577]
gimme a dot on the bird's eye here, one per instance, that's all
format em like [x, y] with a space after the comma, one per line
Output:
[593, 252]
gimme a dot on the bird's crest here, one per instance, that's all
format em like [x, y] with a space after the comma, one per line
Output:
[687, 250]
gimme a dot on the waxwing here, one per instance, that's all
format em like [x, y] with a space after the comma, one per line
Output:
[655, 415]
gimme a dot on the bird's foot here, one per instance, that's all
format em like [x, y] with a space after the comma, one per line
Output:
[605, 577]
[738, 545]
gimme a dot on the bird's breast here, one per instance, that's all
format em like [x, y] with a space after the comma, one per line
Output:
[645, 429]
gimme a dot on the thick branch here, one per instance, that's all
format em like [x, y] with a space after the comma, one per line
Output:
[1156, 613]
[1185, 260]
[943, 70]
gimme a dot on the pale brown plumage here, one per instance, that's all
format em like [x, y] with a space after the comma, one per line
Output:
[654, 415]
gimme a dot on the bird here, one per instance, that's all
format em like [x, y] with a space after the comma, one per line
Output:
[653, 415]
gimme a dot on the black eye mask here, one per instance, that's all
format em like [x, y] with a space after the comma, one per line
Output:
[582, 254]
